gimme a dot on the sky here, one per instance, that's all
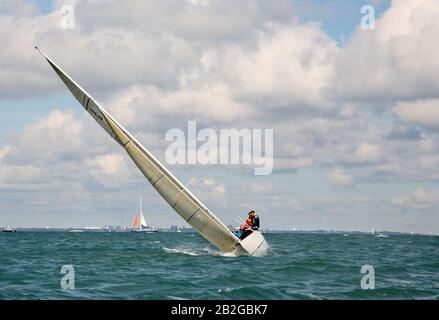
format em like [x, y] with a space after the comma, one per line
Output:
[354, 111]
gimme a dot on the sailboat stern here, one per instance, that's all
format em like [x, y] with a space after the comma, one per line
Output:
[252, 245]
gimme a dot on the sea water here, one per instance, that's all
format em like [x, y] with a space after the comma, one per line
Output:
[166, 265]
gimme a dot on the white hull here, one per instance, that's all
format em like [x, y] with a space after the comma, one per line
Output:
[148, 230]
[252, 245]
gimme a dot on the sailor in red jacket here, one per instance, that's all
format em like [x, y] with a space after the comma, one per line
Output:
[252, 223]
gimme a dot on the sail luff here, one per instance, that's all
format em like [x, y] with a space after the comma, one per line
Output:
[187, 205]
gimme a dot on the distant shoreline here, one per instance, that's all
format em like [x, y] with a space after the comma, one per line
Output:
[190, 230]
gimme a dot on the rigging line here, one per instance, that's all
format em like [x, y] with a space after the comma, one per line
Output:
[201, 205]
[208, 192]
[223, 204]
[204, 188]
[186, 186]
[137, 133]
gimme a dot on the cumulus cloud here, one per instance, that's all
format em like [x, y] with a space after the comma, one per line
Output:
[262, 76]
[426, 145]
[115, 46]
[208, 186]
[367, 152]
[339, 178]
[18, 8]
[418, 199]
[110, 163]
[57, 135]
[396, 60]
[4, 151]
[23, 173]
[422, 112]
[257, 188]
[59, 147]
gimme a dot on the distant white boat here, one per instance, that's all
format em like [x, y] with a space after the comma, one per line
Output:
[9, 229]
[140, 224]
[373, 231]
[76, 230]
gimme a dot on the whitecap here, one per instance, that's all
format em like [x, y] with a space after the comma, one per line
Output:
[228, 289]
[176, 298]
[382, 236]
[182, 251]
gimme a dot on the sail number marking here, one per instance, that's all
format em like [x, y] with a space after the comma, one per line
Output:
[96, 114]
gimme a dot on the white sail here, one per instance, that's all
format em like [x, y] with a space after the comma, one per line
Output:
[172, 190]
[142, 218]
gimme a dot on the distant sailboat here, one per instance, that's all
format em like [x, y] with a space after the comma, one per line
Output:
[187, 205]
[140, 224]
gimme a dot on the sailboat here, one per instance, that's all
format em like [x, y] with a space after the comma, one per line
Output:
[187, 205]
[9, 229]
[140, 224]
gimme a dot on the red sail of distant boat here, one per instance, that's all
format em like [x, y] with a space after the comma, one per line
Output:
[136, 221]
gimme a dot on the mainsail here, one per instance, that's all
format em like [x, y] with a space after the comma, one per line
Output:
[143, 223]
[189, 207]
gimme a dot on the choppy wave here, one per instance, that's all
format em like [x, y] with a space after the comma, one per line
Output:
[185, 266]
[192, 252]
[181, 251]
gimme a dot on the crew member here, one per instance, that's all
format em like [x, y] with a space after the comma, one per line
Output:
[252, 223]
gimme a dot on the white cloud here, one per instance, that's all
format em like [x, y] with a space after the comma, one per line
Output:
[4, 151]
[396, 60]
[260, 188]
[339, 178]
[418, 199]
[23, 173]
[209, 186]
[115, 46]
[426, 145]
[367, 153]
[59, 134]
[423, 112]
[18, 8]
[262, 74]
[292, 163]
[110, 163]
